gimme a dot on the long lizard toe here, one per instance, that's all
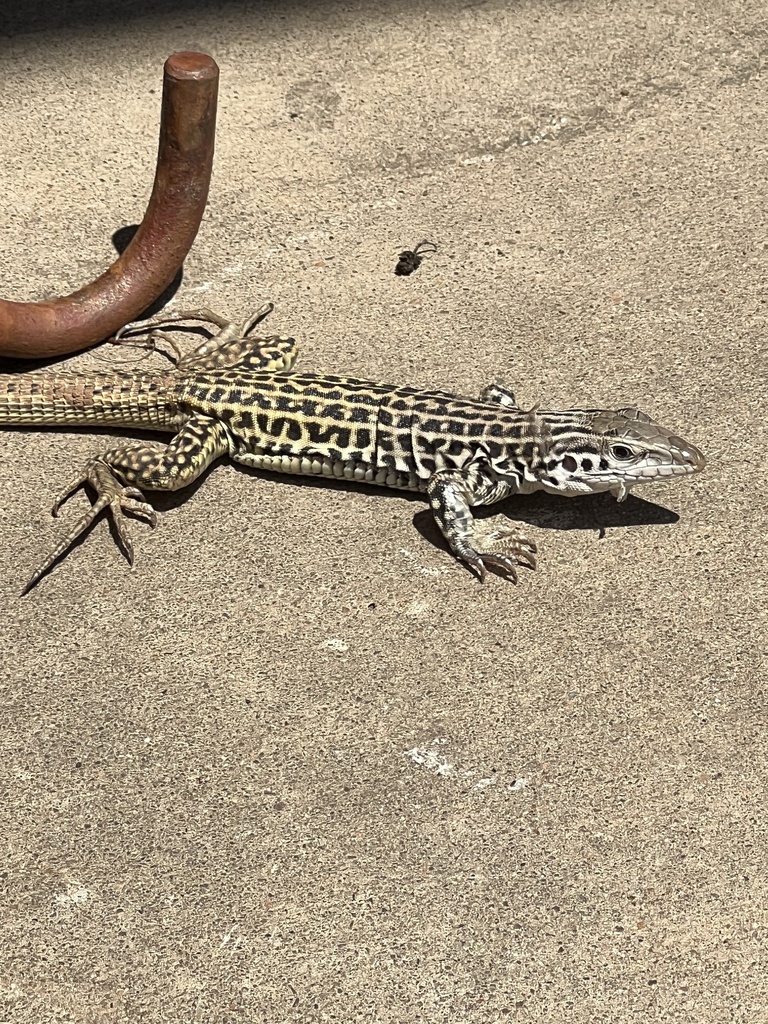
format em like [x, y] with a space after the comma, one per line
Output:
[111, 495]
[507, 546]
[66, 492]
[475, 563]
[502, 562]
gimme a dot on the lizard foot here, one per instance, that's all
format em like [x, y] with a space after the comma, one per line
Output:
[113, 496]
[502, 548]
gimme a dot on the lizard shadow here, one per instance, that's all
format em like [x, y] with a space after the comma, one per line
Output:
[544, 511]
[551, 512]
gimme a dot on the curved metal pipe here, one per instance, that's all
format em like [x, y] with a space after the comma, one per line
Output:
[184, 161]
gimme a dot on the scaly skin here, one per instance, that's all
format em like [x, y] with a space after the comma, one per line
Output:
[235, 395]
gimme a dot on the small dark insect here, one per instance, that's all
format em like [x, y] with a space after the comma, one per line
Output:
[410, 259]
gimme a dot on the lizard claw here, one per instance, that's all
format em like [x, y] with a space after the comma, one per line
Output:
[503, 548]
[112, 496]
[502, 562]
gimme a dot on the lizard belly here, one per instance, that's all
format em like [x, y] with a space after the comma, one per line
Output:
[313, 464]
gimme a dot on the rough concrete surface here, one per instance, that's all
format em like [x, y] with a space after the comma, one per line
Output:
[297, 764]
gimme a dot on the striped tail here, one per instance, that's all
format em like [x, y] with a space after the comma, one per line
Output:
[65, 399]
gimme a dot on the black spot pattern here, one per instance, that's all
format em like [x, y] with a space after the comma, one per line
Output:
[410, 431]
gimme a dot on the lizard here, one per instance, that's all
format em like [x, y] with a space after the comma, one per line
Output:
[237, 395]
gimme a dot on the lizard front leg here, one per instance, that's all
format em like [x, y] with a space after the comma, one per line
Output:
[117, 475]
[500, 394]
[451, 495]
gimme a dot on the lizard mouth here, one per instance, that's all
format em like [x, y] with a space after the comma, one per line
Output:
[652, 473]
[695, 460]
[687, 460]
[683, 460]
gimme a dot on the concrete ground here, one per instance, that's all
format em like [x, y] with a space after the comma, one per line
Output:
[298, 765]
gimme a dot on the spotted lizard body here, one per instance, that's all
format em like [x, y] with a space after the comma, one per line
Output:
[235, 395]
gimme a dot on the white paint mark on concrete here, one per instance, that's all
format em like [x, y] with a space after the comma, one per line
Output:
[333, 643]
[232, 937]
[431, 571]
[76, 893]
[484, 158]
[431, 760]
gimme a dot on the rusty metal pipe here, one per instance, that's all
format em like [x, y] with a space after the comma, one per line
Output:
[150, 262]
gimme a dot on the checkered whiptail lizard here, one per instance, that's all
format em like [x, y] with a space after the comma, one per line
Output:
[233, 396]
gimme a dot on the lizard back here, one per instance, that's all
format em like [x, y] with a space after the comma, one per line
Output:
[382, 427]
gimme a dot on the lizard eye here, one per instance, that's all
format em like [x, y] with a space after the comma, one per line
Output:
[622, 452]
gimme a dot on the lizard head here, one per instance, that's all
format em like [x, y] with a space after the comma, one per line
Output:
[585, 451]
[611, 451]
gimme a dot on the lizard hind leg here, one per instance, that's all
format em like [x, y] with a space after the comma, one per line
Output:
[117, 476]
[231, 346]
[113, 496]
